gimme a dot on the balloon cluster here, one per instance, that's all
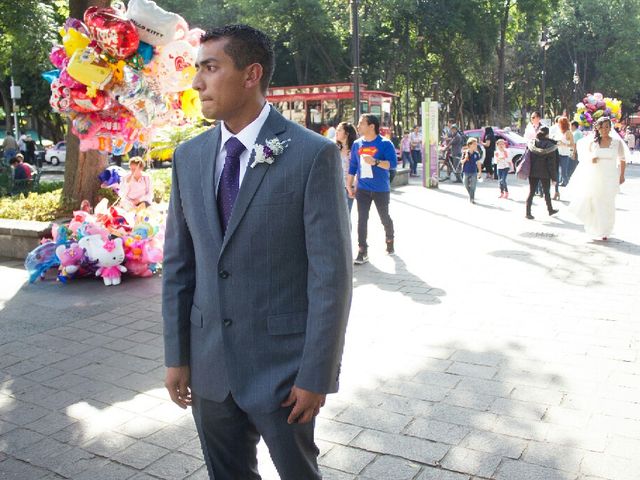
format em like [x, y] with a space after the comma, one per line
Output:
[594, 106]
[122, 72]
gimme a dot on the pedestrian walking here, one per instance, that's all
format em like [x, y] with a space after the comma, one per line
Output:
[566, 146]
[504, 165]
[346, 136]
[489, 144]
[257, 273]
[544, 169]
[415, 140]
[371, 158]
[471, 168]
[405, 150]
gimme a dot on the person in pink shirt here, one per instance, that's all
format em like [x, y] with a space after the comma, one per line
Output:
[136, 189]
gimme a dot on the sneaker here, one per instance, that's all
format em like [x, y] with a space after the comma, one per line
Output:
[501, 195]
[390, 249]
[362, 258]
[506, 195]
[553, 212]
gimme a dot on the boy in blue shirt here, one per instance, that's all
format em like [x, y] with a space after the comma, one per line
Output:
[372, 156]
[471, 168]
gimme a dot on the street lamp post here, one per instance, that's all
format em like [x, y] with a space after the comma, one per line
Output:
[544, 44]
[355, 33]
[576, 81]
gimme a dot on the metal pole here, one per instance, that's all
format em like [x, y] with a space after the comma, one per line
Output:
[356, 58]
[16, 126]
[576, 79]
[544, 68]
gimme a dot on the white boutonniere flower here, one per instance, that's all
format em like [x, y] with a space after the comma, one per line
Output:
[268, 152]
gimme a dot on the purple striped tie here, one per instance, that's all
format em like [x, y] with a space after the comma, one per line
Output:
[229, 181]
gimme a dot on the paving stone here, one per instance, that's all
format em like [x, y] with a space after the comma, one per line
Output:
[439, 474]
[515, 427]
[471, 461]
[479, 358]
[390, 468]
[346, 459]
[462, 398]
[107, 471]
[519, 409]
[18, 439]
[411, 448]
[23, 413]
[141, 427]
[537, 395]
[608, 466]
[172, 437]
[336, 432]
[140, 455]
[331, 474]
[13, 469]
[502, 445]
[374, 418]
[415, 390]
[108, 444]
[512, 469]
[437, 431]
[436, 378]
[554, 456]
[174, 466]
[464, 416]
[471, 370]
[51, 423]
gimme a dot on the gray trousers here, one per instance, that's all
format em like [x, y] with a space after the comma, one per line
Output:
[470, 182]
[229, 438]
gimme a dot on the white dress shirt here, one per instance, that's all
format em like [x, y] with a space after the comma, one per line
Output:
[247, 137]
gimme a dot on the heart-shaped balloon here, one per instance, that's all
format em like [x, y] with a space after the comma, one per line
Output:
[83, 103]
[116, 35]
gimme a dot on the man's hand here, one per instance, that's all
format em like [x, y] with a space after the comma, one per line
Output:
[306, 405]
[351, 191]
[369, 159]
[178, 382]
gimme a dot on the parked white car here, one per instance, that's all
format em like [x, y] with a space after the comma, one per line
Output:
[56, 154]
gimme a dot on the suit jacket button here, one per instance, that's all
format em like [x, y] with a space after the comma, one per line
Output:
[227, 322]
[223, 274]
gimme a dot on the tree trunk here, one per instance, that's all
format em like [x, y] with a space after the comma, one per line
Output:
[81, 168]
[503, 33]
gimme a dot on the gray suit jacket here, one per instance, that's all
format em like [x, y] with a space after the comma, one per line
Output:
[266, 306]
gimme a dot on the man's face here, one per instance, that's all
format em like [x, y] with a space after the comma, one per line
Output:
[535, 119]
[364, 127]
[221, 86]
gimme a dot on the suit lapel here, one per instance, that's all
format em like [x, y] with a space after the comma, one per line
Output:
[208, 158]
[274, 126]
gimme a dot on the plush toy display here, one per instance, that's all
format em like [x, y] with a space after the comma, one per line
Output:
[109, 256]
[41, 259]
[70, 259]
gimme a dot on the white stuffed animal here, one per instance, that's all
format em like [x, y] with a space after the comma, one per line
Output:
[109, 255]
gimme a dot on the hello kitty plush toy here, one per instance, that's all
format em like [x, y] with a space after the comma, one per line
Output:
[109, 255]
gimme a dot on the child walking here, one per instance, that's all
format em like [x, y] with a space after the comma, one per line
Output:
[504, 164]
[471, 167]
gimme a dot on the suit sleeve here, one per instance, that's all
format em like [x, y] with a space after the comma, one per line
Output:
[178, 275]
[329, 281]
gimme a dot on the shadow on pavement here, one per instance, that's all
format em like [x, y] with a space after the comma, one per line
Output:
[448, 411]
[399, 280]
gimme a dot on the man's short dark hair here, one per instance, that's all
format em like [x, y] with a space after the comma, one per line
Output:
[575, 124]
[14, 161]
[373, 120]
[536, 113]
[246, 46]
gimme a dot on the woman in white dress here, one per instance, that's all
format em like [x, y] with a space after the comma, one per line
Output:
[597, 179]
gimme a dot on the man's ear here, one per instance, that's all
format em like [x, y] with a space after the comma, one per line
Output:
[254, 75]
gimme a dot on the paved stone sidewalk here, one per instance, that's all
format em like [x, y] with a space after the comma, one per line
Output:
[490, 347]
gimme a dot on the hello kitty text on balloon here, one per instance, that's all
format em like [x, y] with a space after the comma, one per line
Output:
[123, 72]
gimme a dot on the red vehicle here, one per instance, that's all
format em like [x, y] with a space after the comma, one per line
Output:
[318, 106]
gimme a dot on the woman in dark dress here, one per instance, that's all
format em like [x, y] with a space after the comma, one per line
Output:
[489, 143]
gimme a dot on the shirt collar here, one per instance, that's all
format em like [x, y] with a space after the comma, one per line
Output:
[248, 134]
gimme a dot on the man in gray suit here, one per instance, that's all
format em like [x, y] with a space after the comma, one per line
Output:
[257, 269]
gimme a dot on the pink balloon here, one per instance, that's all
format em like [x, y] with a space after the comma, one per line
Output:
[58, 56]
[68, 81]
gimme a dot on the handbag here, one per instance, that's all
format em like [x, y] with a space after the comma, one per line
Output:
[524, 167]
